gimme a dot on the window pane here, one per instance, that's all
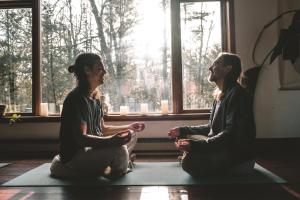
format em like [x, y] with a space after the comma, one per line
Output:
[133, 38]
[16, 59]
[201, 43]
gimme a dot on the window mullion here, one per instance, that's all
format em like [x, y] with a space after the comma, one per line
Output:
[176, 57]
[36, 61]
[15, 4]
[228, 29]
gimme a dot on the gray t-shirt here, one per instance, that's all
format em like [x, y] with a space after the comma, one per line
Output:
[77, 109]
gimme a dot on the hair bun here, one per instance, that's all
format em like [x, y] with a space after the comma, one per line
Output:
[71, 68]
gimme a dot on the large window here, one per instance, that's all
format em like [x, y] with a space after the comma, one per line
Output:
[134, 43]
[200, 44]
[16, 59]
[154, 50]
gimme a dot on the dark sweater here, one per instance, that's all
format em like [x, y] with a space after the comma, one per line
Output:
[232, 127]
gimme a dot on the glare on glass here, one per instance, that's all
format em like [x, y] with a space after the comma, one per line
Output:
[137, 57]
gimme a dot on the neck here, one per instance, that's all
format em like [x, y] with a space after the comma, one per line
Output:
[220, 84]
[93, 87]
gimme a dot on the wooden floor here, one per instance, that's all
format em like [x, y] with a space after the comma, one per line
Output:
[287, 167]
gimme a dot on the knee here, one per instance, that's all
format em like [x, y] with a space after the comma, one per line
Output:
[121, 153]
[196, 166]
[134, 136]
[59, 170]
[187, 164]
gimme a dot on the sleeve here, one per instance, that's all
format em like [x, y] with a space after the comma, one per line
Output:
[194, 130]
[197, 130]
[80, 116]
[234, 119]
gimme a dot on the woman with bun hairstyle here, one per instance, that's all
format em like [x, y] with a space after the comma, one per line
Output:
[88, 146]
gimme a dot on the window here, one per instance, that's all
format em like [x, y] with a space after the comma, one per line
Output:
[153, 50]
[16, 59]
[133, 41]
[201, 43]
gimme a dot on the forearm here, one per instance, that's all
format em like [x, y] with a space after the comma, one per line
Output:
[194, 130]
[111, 130]
[221, 140]
[96, 141]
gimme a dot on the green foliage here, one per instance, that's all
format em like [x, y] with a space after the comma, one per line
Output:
[14, 118]
[15, 56]
[70, 27]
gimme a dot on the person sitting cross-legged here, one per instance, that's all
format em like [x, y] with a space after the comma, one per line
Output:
[225, 144]
[88, 146]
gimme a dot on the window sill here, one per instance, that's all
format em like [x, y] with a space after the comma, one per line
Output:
[152, 117]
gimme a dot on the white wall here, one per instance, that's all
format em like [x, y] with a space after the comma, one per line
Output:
[154, 129]
[277, 112]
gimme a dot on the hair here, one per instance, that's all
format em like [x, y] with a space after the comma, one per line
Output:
[249, 79]
[83, 61]
[233, 60]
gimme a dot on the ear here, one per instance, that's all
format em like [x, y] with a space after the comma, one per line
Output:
[228, 68]
[87, 70]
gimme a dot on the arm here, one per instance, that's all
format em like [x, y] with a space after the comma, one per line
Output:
[197, 130]
[79, 119]
[111, 130]
[84, 139]
[194, 130]
[182, 132]
[235, 119]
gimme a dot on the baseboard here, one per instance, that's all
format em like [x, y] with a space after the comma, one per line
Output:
[277, 146]
[145, 146]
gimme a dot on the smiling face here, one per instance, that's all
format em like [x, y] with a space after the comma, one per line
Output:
[218, 71]
[95, 75]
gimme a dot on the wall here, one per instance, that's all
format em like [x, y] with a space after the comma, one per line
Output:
[155, 129]
[276, 112]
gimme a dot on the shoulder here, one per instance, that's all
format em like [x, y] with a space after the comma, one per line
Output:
[237, 92]
[74, 97]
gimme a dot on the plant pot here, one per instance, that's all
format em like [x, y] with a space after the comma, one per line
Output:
[2, 110]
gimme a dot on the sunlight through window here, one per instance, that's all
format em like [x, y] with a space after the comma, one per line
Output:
[154, 193]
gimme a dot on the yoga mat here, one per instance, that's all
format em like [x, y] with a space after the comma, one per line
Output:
[3, 164]
[145, 173]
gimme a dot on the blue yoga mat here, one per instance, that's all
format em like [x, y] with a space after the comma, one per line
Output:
[145, 174]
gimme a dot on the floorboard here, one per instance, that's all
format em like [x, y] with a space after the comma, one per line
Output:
[286, 167]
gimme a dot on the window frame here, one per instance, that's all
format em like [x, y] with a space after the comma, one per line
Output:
[228, 44]
[34, 6]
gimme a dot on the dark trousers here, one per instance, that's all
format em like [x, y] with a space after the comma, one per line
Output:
[206, 163]
[199, 164]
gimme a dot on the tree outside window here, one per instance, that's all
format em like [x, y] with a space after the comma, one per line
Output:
[16, 59]
[133, 38]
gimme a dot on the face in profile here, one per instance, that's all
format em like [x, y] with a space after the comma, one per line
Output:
[218, 71]
[96, 75]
